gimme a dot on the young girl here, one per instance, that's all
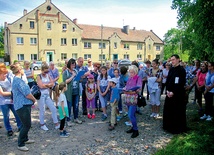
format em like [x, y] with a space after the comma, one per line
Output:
[63, 108]
[103, 88]
[90, 91]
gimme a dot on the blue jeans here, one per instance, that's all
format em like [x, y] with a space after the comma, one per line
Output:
[25, 116]
[132, 117]
[69, 110]
[120, 107]
[75, 104]
[5, 110]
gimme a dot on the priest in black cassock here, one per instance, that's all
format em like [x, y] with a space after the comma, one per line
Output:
[174, 113]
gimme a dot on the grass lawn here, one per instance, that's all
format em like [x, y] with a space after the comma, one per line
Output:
[198, 141]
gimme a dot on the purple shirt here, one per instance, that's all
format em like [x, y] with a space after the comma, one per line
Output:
[134, 82]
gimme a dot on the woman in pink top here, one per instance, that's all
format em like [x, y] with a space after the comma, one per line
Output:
[200, 83]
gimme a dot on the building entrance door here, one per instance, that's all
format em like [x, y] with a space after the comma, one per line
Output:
[49, 56]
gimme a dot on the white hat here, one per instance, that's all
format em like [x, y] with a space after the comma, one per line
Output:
[113, 80]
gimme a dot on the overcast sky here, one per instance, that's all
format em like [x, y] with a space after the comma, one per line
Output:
[148, 15]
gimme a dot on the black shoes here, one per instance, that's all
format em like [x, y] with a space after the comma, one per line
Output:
[130, 131]
[135, 133]
[10, 133]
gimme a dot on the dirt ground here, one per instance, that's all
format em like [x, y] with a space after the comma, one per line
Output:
[90, 137]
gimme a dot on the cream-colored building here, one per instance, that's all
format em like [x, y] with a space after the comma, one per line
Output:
[47, 34]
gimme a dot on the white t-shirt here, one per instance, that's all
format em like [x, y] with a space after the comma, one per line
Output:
[165, 73]
[103, 82]
[62, 98]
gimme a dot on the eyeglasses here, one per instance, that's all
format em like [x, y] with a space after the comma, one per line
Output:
[115, 62]
[89, 61]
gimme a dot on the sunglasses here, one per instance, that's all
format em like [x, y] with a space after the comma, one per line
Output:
[46, 72]
[115, 62]
[89, 61]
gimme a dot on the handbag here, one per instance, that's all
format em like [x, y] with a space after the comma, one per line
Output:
[35, 91]
[141, 101]
[129, 99]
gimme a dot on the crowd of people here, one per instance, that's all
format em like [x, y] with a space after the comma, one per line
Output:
[97, 86]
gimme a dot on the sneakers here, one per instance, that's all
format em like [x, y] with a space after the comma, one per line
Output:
[126, 114]
[111, 128]
[77, 121]
[152, 115]
[128, 123]
[44, 127]
[10, 133]
[156, 115]
[69, 123]
[209, 118]
[65, 132]
[120, 112]
[89, 116]
[204, 117]
[30, 141]
[104, 117]
[63, 135]
[118, 118]
[93, 116]
[57, 127]
[22, 148]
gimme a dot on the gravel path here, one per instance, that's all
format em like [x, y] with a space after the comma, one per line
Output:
[91, 137]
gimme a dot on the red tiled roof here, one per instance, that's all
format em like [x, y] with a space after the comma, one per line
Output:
[94, 32]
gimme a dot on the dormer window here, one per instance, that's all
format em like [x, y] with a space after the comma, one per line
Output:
[48, 25]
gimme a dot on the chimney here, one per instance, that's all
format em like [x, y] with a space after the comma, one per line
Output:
[49, 1]
[134, 28]
[126, 29]
[75, 21]
[24, 12]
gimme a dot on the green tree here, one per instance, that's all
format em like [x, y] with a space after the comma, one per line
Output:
[1, 42]
[195, 18]
[173, 40]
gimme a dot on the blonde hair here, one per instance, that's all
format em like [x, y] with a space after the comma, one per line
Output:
[15, 68]
[134, 68]
[3, 68]
[59, 88]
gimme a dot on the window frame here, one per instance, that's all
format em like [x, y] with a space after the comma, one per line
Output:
[87, 47]
[74, 41]
[64, 56]
[104, 45]
[158, 49]
[49, 24]
[75, 56]
[115, 45]
[32, 27]
[19, 56]
[103, 57]
[64, 28]
[87, 56]
[126, 56]
[63, 41]
[21, 39]
[34, 41]
[139, 46]
[48, 41]
[126, 46]
[33, 56]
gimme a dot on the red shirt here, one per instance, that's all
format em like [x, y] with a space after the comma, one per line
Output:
[201, 78]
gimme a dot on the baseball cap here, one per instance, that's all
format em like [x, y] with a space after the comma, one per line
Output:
[113, 80]
[90, 76]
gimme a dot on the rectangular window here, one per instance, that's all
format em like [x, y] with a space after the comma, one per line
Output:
[126, 56]
[64, 27]
[115, 56]
[104, 45]
[48, 25]
[31, 24]
[149, 47]
[21, 57]
[74, 56]
[139, 57]
[33, 56]
[33, 41]
[87, 56]
[157, 48]
[63, 41]
[126, 46]
[102, 57]
[49, 42]
[74, 42]
[115, 45]
[19, 40]
[139, 46]
[63, 56]
[158, 56]
[87, 45]
[20, 26]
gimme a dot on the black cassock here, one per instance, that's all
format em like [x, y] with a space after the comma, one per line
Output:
[174, 113]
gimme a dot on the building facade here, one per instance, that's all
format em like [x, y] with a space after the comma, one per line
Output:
[47, 34]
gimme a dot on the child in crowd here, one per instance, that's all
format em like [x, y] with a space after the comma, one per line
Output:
[113, 101]
[63, 108]
[91, 90]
